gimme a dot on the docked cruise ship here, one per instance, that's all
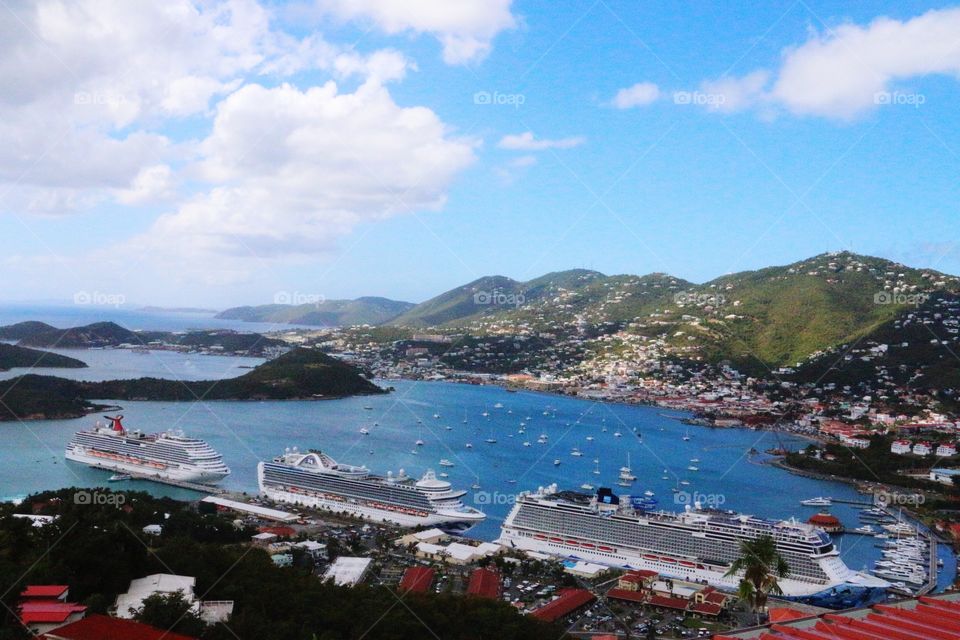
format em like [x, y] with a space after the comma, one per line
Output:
[169, 456]
[314, 479]
[697, 544]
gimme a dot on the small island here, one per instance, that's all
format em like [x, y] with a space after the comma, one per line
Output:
[301, 374]
[13, 356]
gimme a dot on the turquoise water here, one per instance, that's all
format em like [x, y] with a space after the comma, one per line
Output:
[31, 454]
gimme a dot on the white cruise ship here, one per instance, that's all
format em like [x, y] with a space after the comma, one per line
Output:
[314, 479]
[170, 455]
[694, 545]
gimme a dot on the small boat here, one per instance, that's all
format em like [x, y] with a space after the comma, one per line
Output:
[446, 463]
[469, 446]
[587, 486]
[485, 414]
[589, 438]
[819, 501]
[119, 477]
[491, 440]
[624, 483]
[475, 486]
[556, 462]
[499, 405]
[576, 452]
[368, 407]
[693, 468]
[444, 474]
[616, 434]
[419, 443]
[437, 416]
[526, 443]
[694, 460]
[448, 428]
[648, 493]
[685, 483]
[364, 431]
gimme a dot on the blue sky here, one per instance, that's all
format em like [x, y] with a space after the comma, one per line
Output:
[230, 173]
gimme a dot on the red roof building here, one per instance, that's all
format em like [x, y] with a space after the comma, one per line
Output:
[669, 602]
[97, 627]
[484, 583]
[279, 531]
[416, 580]
[629, 595]
[924, 618]
[785, 614]
[46, 592]
[568, 601]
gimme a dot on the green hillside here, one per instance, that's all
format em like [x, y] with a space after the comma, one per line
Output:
[12, 356]
[329, 313]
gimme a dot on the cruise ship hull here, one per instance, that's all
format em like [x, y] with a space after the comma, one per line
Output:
[454, 523]
[698, 571]
[372, 509]
[127, 464]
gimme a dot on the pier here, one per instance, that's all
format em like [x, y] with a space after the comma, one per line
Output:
[182, 484]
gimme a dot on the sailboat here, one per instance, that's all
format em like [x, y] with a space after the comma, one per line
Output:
[576, 452]
[596, 471]
[626, 473]
[686, 436]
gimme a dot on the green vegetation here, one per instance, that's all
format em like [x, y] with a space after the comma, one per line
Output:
[298, 374]
[97, 549]
[761, 565]
[13, 356]
[328, 313]
[22, 330]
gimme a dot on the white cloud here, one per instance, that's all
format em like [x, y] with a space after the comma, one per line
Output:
[90, 86]
[465, 28]
[640, 94]
[839, 74]
[526, 141]
[848, 70]
[295, 170]
[730, 94]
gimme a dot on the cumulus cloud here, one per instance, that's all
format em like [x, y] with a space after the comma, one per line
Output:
[526, 141]
[840, 73]
[90, 85]
[465, 28]
[293, 170]
[640, 94]
[849, 70]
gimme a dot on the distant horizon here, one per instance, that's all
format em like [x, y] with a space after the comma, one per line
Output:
[188, 308]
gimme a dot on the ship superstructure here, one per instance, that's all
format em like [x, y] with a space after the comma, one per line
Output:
[697, 544]
[170, 455]
[314, 479]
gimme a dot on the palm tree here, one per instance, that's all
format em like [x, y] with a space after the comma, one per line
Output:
[761, 565]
